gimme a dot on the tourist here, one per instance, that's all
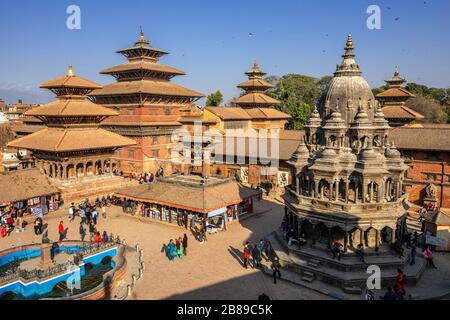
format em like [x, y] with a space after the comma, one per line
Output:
[389, 295]
[369, 295]
[179, 245]
[246, 255]
[302, 240]
[360, 252]
[98, 238]
[104, 211]
[185, 244]
[269, 251]
[61, 231]
[71, 212]
[400, 284]
[256, 255]
[38, 226]
[415, 240]
[263, 248]
[413, 254]
[105, 237]
[83, 215]
[428, 255]
[171, 250]
[336, 249]
[275, 266]
[91, 231]
[289, 234]
[88, 214]
[94, 215]
[82, 231]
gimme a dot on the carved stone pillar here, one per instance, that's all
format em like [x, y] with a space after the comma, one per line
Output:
[346, 190]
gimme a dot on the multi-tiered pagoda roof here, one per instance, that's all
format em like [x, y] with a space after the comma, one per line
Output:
[144, 82]
[72, 121]
[254, 88]
[394, 99]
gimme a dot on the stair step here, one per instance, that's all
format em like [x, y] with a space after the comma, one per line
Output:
[352, 290]
[308, 276]
[313, 263]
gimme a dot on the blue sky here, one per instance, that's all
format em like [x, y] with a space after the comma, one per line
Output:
[211, 40]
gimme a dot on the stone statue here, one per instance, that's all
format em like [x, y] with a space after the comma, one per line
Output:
[430, 191]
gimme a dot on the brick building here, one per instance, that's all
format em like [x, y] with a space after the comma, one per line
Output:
[426, 149]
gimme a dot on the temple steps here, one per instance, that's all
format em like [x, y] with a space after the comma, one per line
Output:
[318, 265]
[308, 276]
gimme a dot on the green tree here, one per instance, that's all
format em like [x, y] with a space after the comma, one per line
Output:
[297, 94]
[427, 106]
[214, 99]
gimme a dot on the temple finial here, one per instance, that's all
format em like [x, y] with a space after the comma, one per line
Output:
[396, 73]
[70, 71]
[255, 65]
[349, 43]
[142, 36]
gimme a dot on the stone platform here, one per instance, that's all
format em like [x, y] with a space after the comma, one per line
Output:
[92, 187]
[348, 274]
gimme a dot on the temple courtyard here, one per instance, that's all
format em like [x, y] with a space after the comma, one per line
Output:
[213, 270]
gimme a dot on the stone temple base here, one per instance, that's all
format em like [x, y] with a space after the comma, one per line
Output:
[76, 190]
[348, 273]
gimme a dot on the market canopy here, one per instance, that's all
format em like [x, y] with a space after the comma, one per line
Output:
[22, 185]
[203, 199]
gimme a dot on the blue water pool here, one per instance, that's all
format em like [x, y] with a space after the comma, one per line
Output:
[91, 272]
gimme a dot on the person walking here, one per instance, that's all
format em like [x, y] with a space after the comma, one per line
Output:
[91, 231]
[171, 250]
[185, 244]
[275, 266]
[246, 255]
[360, 253]
[71, 212]
[94, 216]
[413, 254]
[61, 231]
[400, 284]
[104, 211]
[256, 255]
[180, 248]
[82, 231]
[428, 255]
[389, 295]
[37, 226]
[83, 215]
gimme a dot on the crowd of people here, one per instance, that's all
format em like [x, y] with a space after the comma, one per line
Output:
[88, 214]
[254, 254]
[145, 177]
[177, 248]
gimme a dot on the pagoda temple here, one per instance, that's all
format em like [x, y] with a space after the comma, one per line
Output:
[254, 107]
[72, 147]
[393, 100]
[348, 187]
[150, 106]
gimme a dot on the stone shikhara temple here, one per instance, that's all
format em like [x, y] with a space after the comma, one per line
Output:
[348, 182]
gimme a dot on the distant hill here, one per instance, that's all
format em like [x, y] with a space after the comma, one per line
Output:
[27, 96]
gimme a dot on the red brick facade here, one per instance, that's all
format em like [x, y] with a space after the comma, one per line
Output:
[428, 167]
